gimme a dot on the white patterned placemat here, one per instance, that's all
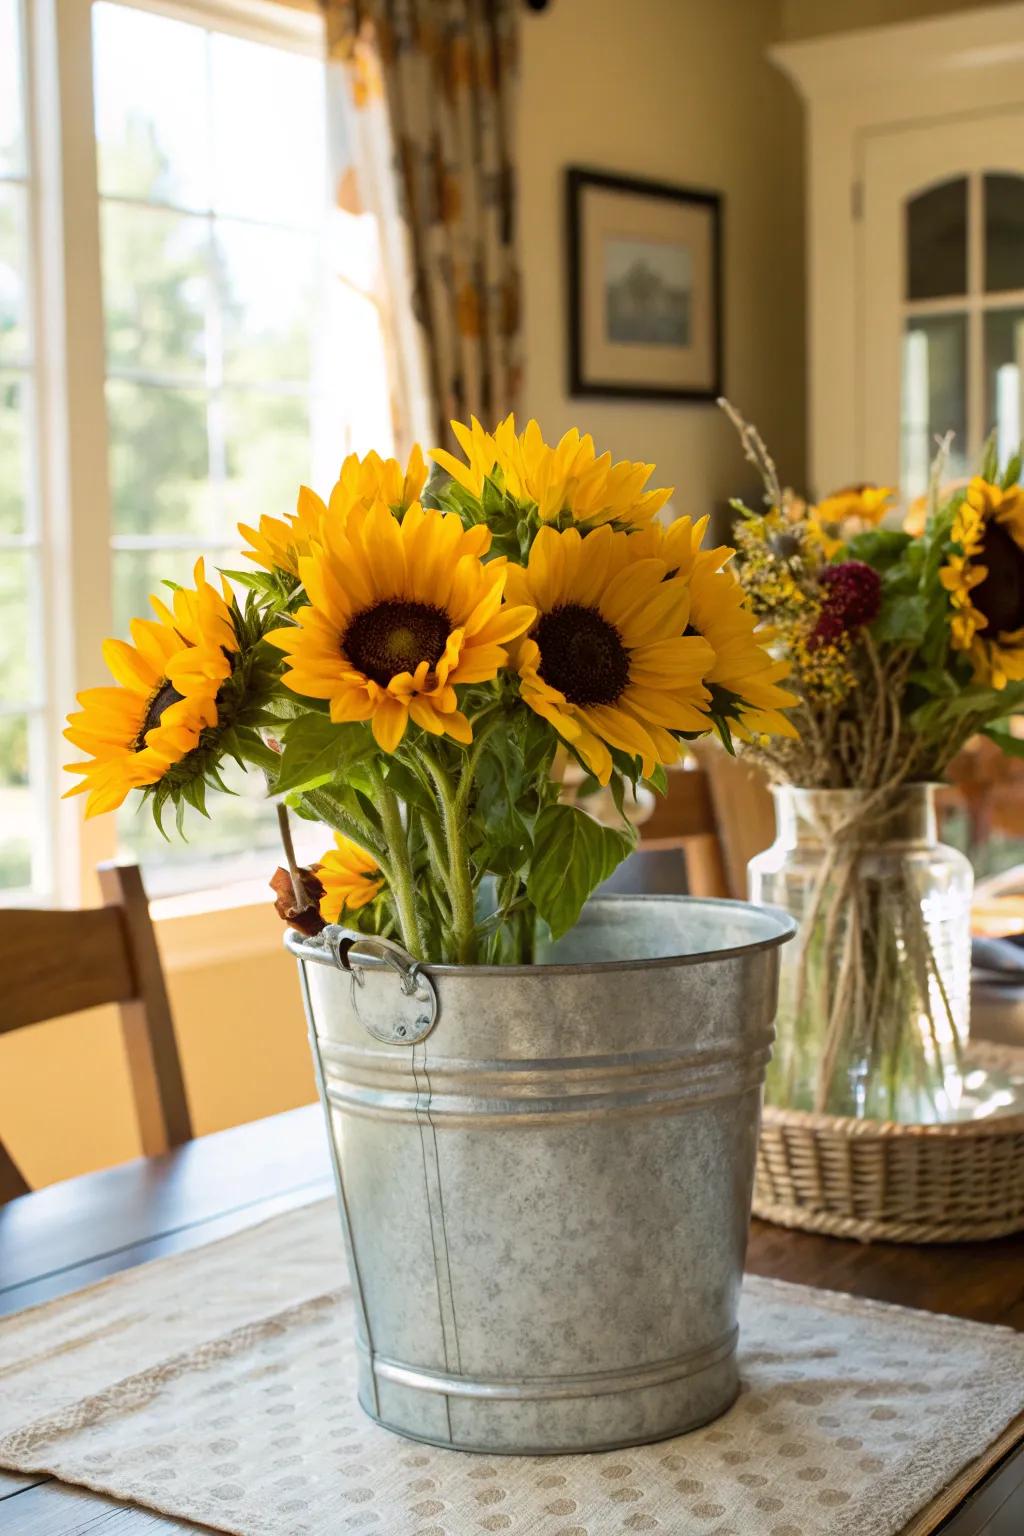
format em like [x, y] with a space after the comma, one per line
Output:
[218, 1386]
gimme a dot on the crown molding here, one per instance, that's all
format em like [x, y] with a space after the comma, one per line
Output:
[847, 63]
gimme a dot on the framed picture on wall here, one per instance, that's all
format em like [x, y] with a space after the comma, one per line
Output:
[645, 302]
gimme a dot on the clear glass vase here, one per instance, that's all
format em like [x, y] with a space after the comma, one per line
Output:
[875, 990]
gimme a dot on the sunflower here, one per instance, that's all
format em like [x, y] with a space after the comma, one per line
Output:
[481, 450]
[399, 614]
[350, 879]
[846, 512]
[985, 579]
[607, 661]
[745, 676]
[201, 617]
[279, 544]
[137, 731]
[568, 482]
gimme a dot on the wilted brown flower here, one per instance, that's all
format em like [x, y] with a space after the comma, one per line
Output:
[306, 920]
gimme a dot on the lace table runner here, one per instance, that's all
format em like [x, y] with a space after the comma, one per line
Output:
[218, 1386]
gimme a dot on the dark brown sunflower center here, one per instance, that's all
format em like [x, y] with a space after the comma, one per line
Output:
[582, 655]
[395, 636]
[1000, 597]
[165, 696]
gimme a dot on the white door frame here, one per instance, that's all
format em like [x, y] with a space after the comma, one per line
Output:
[857, 85]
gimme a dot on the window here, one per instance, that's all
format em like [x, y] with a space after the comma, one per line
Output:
[212, 212]
[23, 777]
[963, 342]
[232, 333]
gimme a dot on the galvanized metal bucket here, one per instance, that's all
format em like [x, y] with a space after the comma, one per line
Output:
[544, 1172]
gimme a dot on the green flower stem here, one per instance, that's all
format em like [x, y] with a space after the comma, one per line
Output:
[482, 728]
[326, 809]
[461, 880]
[400, 878]
[435, 850]
[302, 899]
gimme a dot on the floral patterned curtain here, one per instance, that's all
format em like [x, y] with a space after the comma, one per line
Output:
[445, 72]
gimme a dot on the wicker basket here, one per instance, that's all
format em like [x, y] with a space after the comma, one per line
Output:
[877, 1182]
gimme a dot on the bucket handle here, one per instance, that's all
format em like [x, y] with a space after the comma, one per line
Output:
[347, 948]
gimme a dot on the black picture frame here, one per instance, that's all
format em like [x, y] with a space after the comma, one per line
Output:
[577, 181]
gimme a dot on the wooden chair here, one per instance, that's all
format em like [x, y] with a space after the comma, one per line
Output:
[718, 813]
[55, 962]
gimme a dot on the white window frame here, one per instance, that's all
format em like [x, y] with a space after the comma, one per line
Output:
[71, 440]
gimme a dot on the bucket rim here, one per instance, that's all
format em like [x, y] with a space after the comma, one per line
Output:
[304, 948]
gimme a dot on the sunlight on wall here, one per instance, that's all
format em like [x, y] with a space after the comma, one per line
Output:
[678, 91]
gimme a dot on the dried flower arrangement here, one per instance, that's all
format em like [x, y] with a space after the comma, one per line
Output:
[902, 646]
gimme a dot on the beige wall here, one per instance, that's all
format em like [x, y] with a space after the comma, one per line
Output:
[679, 91]
[817, 18]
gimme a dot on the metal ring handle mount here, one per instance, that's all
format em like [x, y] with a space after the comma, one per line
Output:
[390, 1026]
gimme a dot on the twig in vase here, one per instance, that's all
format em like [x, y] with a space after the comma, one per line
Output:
[755, 451]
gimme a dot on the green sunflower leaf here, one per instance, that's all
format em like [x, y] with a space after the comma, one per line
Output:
[408, 787]
[878, 547]
[573, 854]
[318, 752]
[904, 618]
[658, 779]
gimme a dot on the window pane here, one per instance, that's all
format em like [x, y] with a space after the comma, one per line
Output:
[17, 674]
[1004, 233]
[362, 394]
[13, 453]
[155, 289]
[12, 143]
[152, 112]
[240, 841]
[267, 284]
[934, 395]
[159, 460]
[1004, 358]
[138, 573]
[16, 807]
[268, 453]
[937, 242]
[268, 128]
[13, 275]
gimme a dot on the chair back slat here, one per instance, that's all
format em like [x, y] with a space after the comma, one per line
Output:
[161, 1103]
[54, 963]
[685, 810]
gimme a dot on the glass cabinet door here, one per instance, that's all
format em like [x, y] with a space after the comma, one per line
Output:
[942, 263]
[964, 243]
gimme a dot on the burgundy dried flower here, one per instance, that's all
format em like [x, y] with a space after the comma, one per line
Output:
[853, 596]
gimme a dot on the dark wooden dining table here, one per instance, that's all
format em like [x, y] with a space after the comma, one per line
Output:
[69, 1235]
